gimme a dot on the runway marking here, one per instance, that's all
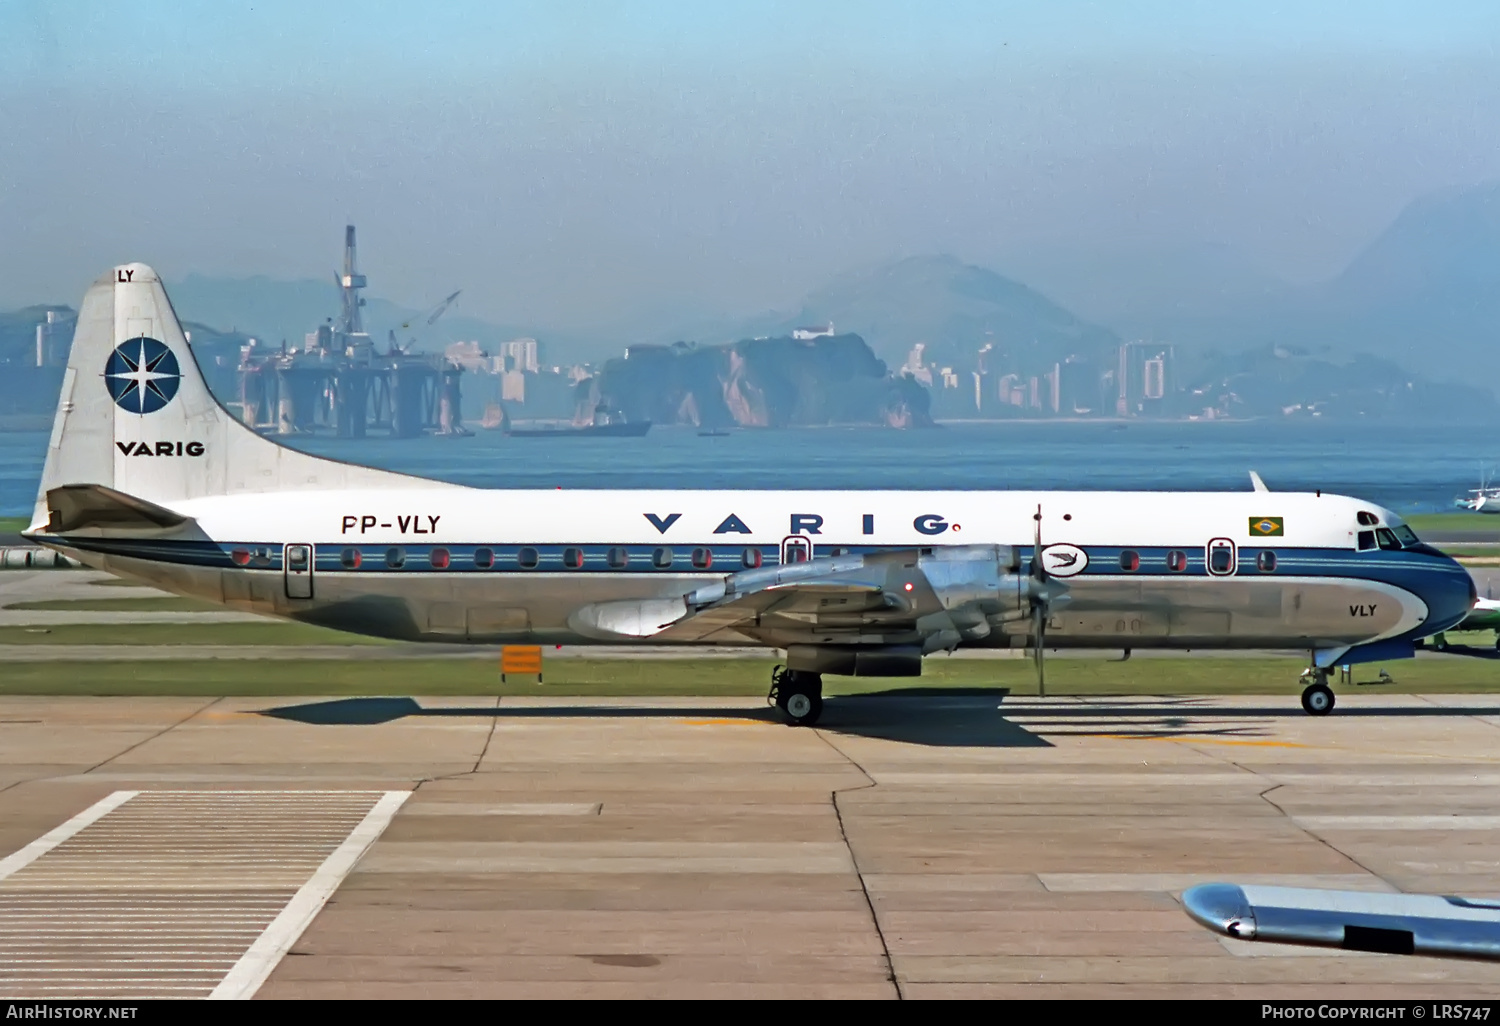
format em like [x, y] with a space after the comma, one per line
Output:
[177, 893]
[1195, 740]
[725, 723]
[52, 838]
[256, 964]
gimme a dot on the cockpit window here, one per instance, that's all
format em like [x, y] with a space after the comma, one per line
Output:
[1366, 540]
[1387, 538]
[1367, 519]
[1405, 535]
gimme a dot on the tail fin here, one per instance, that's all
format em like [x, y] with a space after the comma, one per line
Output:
[135, 414]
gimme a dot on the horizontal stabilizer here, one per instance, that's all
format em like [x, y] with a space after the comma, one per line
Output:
[83, 507]
[1397, 924]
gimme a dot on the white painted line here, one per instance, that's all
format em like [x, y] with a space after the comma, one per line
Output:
[257, 963]
[52, 838]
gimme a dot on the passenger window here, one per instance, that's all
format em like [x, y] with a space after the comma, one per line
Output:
[1366, 540]
[240, 557]
[1386, 538]
[260, 556]
[1265, 561]
[1176, 561]
[350, 558]
[395, 557]
[1220, 560]
[439, 559]
[618, 558]
[750, 558]
[1367, 519]
[1130, 560]
[572, 558]
[703, 559]
[661, 558]
[527, 558]
[297, 557]
[484, 558]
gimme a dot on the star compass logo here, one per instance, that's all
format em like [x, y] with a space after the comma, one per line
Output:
[142, 375]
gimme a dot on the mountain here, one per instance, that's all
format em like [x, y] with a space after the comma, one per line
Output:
[1426, 292]
[955, 308]
[1424, 295]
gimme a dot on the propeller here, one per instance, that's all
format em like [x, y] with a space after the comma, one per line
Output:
[1039, 607]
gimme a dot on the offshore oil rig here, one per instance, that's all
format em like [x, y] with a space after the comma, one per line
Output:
[337, 384]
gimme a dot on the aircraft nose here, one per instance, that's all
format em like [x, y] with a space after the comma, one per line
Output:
[1449, 592]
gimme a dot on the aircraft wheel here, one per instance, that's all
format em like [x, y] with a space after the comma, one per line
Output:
[799, 695]
[1440, 643]
[802, 709]
[1317, 700]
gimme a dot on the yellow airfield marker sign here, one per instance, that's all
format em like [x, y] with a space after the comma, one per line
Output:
[521, 659]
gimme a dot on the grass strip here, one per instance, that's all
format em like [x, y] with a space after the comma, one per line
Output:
[749, 677]
[164, 604]
[271, 633]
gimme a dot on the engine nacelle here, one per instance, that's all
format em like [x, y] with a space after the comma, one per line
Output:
[886, 661]
[981, 580]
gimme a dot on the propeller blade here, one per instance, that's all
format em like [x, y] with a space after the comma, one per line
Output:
[1039, 631]
[1037, 570]
[1039, 608]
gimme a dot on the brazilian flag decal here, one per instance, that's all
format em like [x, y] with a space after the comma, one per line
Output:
[1266, 527]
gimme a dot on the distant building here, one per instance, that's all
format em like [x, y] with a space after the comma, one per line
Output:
[52, 339]
[914, 367]
[1143, 378]
[522, 354]
[806, 334]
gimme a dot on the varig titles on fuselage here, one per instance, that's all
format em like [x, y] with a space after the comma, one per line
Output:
[805, 523]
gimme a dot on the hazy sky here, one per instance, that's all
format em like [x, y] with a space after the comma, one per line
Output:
[575, 163]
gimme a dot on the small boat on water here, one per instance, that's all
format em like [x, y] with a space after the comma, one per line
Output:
[605, 425]
[713, 434]
[630, 429]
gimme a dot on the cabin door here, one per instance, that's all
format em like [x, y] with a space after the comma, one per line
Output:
[796, 548]
[297, 562]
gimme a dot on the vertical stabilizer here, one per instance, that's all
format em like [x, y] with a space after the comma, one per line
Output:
[135, 414]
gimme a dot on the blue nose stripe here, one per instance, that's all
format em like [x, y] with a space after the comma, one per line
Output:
[1449, 592]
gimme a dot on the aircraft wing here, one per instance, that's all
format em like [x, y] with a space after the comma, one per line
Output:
[900, 597]
[1397, 924]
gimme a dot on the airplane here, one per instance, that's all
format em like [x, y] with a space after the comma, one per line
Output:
[1394, 924]
[147, 476]
[1485, 616]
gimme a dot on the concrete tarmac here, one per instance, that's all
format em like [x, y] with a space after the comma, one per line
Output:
[946, 845]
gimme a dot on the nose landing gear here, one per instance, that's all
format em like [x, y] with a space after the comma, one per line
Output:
[798, 694]
[1317, 697]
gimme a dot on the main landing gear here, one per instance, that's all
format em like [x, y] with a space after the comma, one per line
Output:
[798, 694]
[1317, 697]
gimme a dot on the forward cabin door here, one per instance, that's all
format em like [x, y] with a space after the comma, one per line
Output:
[297, 561]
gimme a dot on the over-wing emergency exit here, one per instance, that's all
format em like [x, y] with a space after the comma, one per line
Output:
[149, 477]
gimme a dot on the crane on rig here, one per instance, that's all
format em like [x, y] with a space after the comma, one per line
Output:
[436, 311]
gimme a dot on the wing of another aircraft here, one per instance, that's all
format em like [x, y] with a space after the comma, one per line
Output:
[1396, 924]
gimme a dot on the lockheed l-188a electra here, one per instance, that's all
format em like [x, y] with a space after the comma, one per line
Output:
[148, 477]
